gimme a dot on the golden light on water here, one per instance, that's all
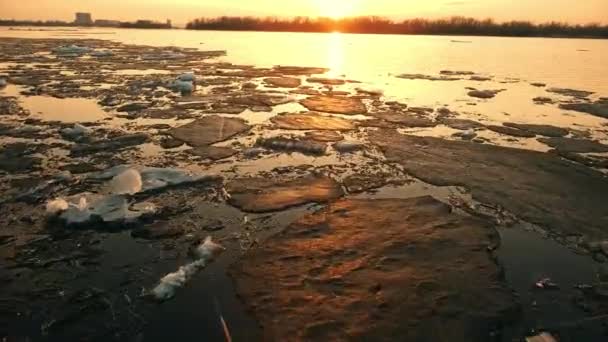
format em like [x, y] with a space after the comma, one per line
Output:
[335, 54]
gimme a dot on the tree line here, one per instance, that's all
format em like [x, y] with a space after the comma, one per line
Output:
[382, 25]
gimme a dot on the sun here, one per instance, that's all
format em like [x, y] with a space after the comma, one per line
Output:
[336, 8]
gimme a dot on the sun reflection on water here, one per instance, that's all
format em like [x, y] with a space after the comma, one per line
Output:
[335, 54]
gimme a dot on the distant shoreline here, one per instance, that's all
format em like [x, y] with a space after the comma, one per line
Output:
[451, 27]
[455, 26]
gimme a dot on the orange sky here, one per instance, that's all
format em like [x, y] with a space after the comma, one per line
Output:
[180, 11]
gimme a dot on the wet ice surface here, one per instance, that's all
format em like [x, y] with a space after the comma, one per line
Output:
[364, 173]
[48, 108]
[528, 258]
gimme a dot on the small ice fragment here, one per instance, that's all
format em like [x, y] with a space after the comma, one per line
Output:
[77, 213]
[56, 206]
[71, 50]
[204, 253]
[2, 83]
[76, 131]
[102, 53]
[184, 87]
[542, 337]
[348, 146]
[466, 135]
[82, 204]
[171, 282]
[187, 77]
[546, 284]
[370, 91]
[208, 249]
[127, 182]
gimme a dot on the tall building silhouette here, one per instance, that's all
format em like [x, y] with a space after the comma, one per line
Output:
[83, 19]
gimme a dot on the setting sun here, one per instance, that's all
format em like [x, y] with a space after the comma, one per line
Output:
[337, 8]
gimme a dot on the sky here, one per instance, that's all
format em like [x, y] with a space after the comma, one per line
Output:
[181, 11]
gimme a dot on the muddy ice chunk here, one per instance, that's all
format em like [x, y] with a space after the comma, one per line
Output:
[597, 108]
[253, 152]
[16, 158]
[169, 284]
[163, 55]
[465, 135]
[427, 77]
[10, 106]
[283, 82]
[187, 77]
[381, 258]
[312, 120]
[260, 195]
[71, 50]
[587, 160]
[209, 130]
[536, 186]
[483, 94]
[133, 107]
[543, 100]
[460, 124]
[214, 152]
[546, 130]
[157, 178]
[183, 87]
[326, 81]
[335, 104]
[102, 53]
[110, 173]
[324, 136]
[127, 182]
[515, 132]
[480, 78]
[358, 183]
[456, 72]
[348, 146]
[571, 92]
[2, 82]
[409, 119]
[575, 145]
[184, 83]
[113, 144]
[293, 145]
[75, 132]
[370, 91]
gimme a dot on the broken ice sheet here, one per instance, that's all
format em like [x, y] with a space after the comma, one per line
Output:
[108, 209]
[152, 178]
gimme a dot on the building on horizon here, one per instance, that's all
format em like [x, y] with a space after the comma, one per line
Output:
[107, 23]
[83, 19]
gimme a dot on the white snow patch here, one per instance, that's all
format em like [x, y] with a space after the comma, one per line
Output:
[127, 182]
[169, 284]
[76, 131]
[56, 206]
